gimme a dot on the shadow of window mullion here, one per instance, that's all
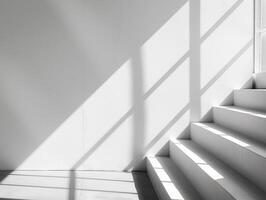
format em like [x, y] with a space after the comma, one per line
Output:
[195, 60]
[139, 122]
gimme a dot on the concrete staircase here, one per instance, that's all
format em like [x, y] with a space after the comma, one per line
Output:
[225, 159]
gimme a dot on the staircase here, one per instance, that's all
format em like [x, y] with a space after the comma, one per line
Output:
[223, 160]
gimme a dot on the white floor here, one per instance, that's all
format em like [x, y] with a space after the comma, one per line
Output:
[75, 185]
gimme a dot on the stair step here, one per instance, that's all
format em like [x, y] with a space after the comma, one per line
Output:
[248, 122]
[168, 181]
[242, 154]
[251, 98]
[210, 177]
[260, 80]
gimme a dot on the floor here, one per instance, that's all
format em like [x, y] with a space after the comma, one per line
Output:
[75, 185]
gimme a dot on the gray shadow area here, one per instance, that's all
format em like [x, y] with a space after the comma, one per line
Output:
[144, 186]
[49, 68]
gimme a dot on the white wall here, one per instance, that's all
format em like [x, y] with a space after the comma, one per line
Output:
[99, 84]
[262, 37]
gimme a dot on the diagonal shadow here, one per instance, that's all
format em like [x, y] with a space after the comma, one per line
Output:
[166, 75]
[227, 66]
[130, 112]
[196, 40]
[221, 20]
[164, 130]
[158, 136]
[58, 97]
[72, 183]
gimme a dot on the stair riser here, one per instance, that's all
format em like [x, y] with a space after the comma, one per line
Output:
[200, 180]
[249, 164]
[250, 99]
[248, 125]
[260, 80]
[157, 185]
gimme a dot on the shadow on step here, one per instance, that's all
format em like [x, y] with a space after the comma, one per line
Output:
[144, 186]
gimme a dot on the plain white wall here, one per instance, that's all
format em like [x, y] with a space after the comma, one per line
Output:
[262, 39]
[99, 84]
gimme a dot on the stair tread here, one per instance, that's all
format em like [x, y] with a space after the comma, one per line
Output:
[232, 136]
[247, 111]
[232, 182]
[172, 179]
